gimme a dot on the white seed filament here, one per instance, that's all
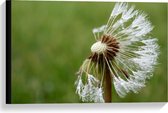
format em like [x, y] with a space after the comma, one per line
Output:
[98, 47]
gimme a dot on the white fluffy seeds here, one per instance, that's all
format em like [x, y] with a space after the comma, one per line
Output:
[137, 55]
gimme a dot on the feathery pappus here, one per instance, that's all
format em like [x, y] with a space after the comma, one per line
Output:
[125, 49]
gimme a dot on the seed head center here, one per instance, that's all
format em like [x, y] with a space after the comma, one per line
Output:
[98, 47]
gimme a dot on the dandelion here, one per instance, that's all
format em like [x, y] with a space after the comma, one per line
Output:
[124, 55]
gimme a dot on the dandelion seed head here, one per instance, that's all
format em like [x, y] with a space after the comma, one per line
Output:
[124, 47]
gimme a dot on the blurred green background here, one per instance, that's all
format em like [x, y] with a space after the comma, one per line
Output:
[50, 40]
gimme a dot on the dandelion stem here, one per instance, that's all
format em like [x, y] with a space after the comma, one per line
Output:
[107, 86]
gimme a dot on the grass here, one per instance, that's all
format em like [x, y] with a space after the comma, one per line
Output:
[51, 39]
